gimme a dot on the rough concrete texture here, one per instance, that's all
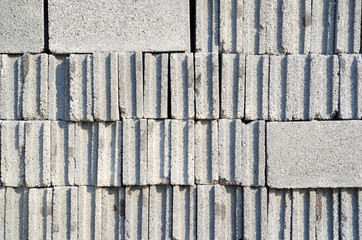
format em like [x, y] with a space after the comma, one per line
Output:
[314, 154]
[22, 26]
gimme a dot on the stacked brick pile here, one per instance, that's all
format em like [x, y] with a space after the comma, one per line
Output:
[171, 119]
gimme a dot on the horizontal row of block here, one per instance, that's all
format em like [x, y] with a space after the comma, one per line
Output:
[132, 152]
[278, 26]
[180, 212]
[108, 87]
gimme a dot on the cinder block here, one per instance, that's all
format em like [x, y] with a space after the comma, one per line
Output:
[207, 86]
[256, 87]
[110, 225]
[348, 26]
[16, 213]
[40, 213]
[130, 85]
[2, 210]
[206, 152]
[184, 208]
[37, 154]
[105, 87]
[155, 104]
[351, 214]
[325, 154]
[270, 27]
[159, 151]
[134, 152]
[12, 153]
[136, 209]
[350, 89]
[250, 29]
[160, 212]
[118, 26]
[232, 86]
[182, 77]
[22, 26]
[182, 152]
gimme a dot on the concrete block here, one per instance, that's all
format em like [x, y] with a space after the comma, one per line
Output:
[136, 209]
[158, 151]
[81, 87]
[160, 212]
[207, 26]
[130, 88]
[256, 87]
[37, 154]
[22, 26]
[251, 27]
[182, 77]
[105, 87]
[155, 104]
[350, 90]
[65, 205]
[58, 83]
[12, 153]
[232, 86]
[109, 168]
[184, 210]
[134, 152]
[207, 86]
[110, 211]
[16, 213]
[182, 152]
[206, 152]
[40, 213]
[2, 210]
[118, 26]
[350, 215]
[314, 154]
[348, 26]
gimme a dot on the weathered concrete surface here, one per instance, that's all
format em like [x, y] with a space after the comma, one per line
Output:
[314, 154]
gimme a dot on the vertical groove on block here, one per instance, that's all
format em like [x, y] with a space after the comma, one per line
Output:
[277, 87]
[293, 29]
[251, 27]
[16, 213]
[182, 77]
[2, 211]
[87, 217]
[300, 214]
[349, 214]
[205, 212]
[110, 213]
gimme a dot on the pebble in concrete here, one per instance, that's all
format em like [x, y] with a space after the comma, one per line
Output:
[16, 213]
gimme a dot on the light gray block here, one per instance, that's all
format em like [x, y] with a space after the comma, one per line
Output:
[350, 218]
[22, 26]
[251, 27]
[256, 87]
[136, 209]
[37, 154]
[207, 86]
[160, 212]
[270, 27]
[350, 99]
[184, 211]
[109, 168]
[232, 86]
[206, 152]
[303, 214]
[130, 86]
[134, 149]
[348, 26]
[314, 154]
[182, 77]
[182, 152]
[16, 213]
[155, 101]
[2, 210]
[118, 26]
[110, 211]
[40, 213]
[158, 151]
[12, 153]
[105, 87]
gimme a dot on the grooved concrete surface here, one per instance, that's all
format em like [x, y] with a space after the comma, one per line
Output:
[201, 119]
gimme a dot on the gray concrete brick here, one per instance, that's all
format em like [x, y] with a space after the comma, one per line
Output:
[232, 86]
[16, 213]
[182, 77]
[2, 210]
[105, 87]
[207, 86]
[206, 152]
[158, 151]
[155, 99]
[109, 164]
[22, 26]
[37, 154]
[136, 209]
[134, 152]
[324, 154]
[110, 211]
[118, 26]
[130, 84]
[303, 221]
[184, 211]
[351, 213]
[270, 27]
[182, 152]
[348, 26]
[251, 28]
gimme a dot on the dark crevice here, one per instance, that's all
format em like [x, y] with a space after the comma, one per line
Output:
[220, 85]
[192, 6]
[169, 87]
[46, 28]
